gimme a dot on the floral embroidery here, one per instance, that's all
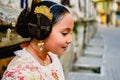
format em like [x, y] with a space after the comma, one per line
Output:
[54, 74]
[27, 68]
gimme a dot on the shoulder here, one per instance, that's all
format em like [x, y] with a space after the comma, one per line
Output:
[21, 65]
[22, 59]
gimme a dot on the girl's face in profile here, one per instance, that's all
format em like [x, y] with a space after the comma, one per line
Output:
[60, 37]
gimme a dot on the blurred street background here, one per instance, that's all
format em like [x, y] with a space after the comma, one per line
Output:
[95, 51]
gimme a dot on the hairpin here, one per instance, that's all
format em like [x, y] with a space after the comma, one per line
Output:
[44, 10]
[37, 1]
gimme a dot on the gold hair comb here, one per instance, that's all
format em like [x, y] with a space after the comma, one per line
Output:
[37, 1]
[44, 10]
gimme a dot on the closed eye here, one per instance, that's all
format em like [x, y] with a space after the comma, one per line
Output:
[64, 34]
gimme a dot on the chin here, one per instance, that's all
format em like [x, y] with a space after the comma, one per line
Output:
[59, 53]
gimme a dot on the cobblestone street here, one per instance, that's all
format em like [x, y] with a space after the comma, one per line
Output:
[103, 51]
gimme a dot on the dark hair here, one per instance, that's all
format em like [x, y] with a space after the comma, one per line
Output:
[28, 24]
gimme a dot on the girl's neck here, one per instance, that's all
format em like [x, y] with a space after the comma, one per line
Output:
[35, 51]
[43, 59]
[42, 56]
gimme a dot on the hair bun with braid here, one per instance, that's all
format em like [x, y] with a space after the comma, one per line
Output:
[22, 24]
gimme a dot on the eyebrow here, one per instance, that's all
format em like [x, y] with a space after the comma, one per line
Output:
[67, 29]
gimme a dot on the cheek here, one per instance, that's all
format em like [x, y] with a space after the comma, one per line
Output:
[54, 42]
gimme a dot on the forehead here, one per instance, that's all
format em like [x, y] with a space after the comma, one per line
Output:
[66, 21]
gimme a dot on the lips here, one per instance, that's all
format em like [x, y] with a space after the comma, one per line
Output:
[65, 47]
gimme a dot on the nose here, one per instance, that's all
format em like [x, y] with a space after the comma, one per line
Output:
[69, 40]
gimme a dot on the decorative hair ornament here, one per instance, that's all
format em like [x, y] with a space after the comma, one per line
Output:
[37, 1]
[45, 11]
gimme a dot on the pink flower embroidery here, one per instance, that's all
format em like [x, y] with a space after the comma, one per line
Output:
[54, 74]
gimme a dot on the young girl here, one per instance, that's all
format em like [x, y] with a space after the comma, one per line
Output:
[49, 25]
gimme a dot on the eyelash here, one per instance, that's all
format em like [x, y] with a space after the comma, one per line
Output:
[64, 34]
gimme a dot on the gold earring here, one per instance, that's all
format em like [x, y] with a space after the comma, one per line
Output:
[41, 45]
